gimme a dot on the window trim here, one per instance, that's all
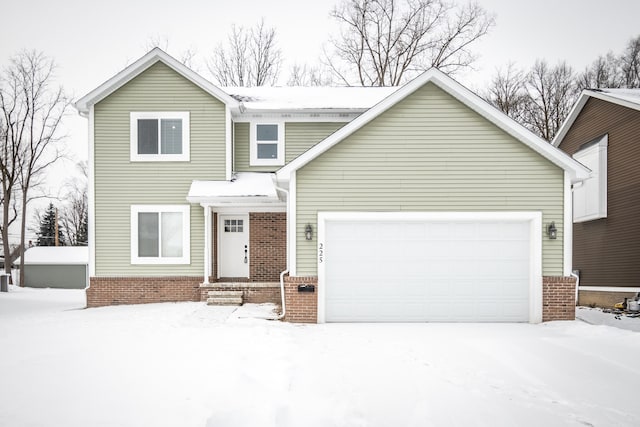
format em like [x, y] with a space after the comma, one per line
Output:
[253, 145]
[185, 210]
[159, 115]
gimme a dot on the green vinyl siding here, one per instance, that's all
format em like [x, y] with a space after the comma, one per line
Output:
[429, 153]
[120, 183]
[298, 138]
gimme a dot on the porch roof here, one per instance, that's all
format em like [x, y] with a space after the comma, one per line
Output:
[244, 188]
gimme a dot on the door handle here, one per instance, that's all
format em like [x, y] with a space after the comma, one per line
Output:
[246, 259]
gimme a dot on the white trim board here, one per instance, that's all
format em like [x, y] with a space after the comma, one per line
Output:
[535, 232]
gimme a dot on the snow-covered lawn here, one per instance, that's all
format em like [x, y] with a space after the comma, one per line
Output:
[187, 364]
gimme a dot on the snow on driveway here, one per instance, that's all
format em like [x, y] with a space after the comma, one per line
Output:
[186, 364]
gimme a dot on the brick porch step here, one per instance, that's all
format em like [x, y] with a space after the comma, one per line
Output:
[224, 298]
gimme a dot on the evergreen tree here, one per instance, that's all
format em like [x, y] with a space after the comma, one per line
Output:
[46, 235]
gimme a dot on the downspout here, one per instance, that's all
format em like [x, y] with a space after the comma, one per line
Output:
[577, 276]
[284, 308]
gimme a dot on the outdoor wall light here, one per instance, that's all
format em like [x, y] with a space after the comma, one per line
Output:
[308, 232]
[552, 231]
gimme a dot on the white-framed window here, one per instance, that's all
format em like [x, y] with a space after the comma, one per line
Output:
[267, 144]
[590, 197]
[160, 136]
[160, 234]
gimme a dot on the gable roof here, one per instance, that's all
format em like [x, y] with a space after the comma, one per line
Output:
[577, 171]
[629, 98]
[154, 55]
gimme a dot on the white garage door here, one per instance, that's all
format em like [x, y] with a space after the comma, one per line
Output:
[475, 267]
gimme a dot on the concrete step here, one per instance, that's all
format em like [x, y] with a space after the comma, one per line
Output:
[224, 301]
[223, 294]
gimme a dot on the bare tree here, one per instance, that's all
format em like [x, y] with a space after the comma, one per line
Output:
[384, 42]
[33, 111]
[307, 75]
[602, 73]
[630, 63]
[551, 94]
[74, 214]
[251, 57]
[187, 56]
[508, 93]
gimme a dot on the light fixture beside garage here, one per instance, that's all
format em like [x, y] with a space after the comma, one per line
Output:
[308, 232]
[552, 231]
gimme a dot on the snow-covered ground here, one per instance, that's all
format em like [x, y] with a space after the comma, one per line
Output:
[187, 364]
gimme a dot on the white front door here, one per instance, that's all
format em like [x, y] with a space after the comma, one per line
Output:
[234, 245]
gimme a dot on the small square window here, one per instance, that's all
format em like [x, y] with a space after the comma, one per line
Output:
[267, 144]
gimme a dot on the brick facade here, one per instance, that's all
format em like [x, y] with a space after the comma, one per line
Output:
[300, 306]
[267, 245]
[558, 298]
[140, 290]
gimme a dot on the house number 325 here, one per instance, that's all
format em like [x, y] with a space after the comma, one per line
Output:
[320, 253]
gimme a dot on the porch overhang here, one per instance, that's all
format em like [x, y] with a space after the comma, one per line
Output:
[244, 189]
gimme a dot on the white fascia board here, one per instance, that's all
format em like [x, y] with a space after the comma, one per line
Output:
[568, 122]
[133, 70]
[464, 95]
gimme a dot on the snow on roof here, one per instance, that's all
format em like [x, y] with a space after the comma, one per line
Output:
[295, 97]
[629, 95]
[56, 255]
[259, 187]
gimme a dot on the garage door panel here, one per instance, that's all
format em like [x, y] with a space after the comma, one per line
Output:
[395, 270]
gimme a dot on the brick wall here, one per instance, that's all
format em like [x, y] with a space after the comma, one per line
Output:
[300, 306]
[140, 290]
[558, 298]
[268, 246]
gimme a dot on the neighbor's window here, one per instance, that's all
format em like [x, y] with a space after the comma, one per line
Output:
[160, 136]
[590, 197]
[159, 234]
[267, 144]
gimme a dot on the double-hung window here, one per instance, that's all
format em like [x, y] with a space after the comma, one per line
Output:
[160, 234]
[267, 144]
[160, 136]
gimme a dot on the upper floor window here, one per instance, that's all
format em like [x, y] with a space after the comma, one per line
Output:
[267, 144]
[590, 197]
[160, 136]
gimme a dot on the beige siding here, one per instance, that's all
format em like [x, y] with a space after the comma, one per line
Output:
[429, 153]
[299, 137]
[120, 183]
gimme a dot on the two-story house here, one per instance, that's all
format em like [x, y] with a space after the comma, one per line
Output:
[417, 203]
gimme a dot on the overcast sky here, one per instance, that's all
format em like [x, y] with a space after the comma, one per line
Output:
[91, 41]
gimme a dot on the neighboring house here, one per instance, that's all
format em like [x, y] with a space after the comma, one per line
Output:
[603, 133]
[418, 203]
[56, 267]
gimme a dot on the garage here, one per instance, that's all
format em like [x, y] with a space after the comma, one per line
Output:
[429, 266]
